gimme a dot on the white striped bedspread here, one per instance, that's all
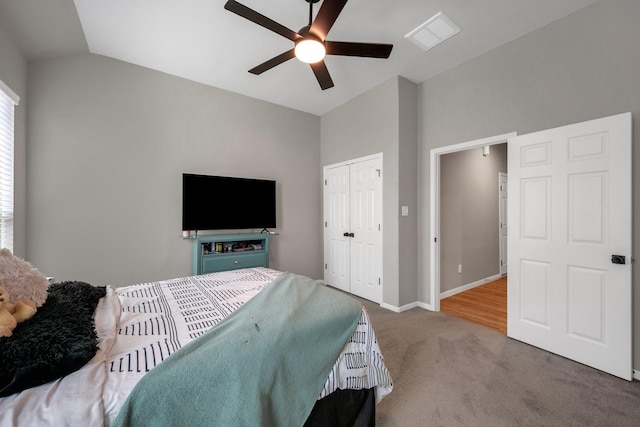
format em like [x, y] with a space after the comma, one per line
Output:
[158, 318]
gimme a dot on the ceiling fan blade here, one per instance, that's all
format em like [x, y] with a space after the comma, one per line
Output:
[369, 50]
[326, 17]
[253, 16]
[322, 74]
[276, 60]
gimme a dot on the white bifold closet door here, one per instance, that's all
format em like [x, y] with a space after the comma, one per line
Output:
[353, 227]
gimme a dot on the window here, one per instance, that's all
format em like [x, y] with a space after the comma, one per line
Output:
[8, 101]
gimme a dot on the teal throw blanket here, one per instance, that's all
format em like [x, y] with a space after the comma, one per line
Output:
[264, 365]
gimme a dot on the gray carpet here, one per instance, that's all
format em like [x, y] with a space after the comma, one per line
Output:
[449, 372]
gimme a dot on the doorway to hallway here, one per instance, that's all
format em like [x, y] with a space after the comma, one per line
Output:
[484, 305]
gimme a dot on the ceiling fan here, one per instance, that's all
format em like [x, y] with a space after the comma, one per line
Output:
[310, 44]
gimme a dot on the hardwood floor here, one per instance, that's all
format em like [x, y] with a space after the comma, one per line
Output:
[485, 305]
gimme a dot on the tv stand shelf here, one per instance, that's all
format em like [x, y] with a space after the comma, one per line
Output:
[222, 252]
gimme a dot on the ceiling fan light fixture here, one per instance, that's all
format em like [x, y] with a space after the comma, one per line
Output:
[310, 44]
[310, 50]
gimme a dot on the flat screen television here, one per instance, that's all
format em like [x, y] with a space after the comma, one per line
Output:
[227, 203]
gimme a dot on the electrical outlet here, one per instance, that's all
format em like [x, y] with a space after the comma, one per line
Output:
[459, 268]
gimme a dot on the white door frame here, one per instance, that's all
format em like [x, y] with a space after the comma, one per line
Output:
[502, 220]
[434, 195]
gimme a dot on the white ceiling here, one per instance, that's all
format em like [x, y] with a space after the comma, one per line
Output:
[201, 41]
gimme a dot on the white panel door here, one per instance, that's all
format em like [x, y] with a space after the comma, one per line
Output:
[570, 217]
[336, 222]
[365, 229]
[502, 214]
[353, 227]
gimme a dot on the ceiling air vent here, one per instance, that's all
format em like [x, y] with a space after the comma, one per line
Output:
[433, 32]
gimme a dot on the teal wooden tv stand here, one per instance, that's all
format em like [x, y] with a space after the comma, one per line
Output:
[222, 252]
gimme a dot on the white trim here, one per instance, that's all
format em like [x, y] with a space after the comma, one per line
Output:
[426, 306]
[469, 286]
[407, 307]
[636, 374]
[501, 215]
[352, 161]
[11, 94]
[396, 309]
[435, 205]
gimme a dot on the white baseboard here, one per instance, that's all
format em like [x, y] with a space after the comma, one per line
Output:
[399, 309]
[469, 286]
[636, 374]
[426, 306]
[406, 307]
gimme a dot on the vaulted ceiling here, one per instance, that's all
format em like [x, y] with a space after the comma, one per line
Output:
[201, 41]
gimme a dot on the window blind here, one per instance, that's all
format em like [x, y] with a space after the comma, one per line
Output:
[8, 101]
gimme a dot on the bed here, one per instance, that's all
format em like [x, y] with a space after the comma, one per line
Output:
[252, 346]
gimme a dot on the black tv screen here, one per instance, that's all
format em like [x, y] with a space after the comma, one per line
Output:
[227, 203]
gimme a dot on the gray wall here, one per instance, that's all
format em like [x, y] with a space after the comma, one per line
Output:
[581, 67]
[469, 215]
[407, 191]
[13, 72]
[368, 124]
[108, 142]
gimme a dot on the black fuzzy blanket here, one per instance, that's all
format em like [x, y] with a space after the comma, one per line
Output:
[58, 340]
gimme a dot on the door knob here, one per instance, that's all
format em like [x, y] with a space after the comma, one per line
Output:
[618, 259]
[348, 235]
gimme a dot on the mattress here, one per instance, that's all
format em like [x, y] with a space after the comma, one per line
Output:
[141, 325]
